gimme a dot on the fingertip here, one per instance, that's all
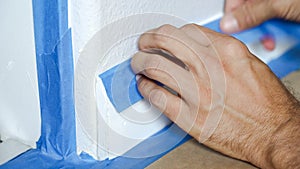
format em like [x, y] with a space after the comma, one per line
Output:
[144, 39]
[138, 78]
[133, 64]
[229, 24]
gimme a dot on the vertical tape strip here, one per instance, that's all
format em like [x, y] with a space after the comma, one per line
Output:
[57, 146]
[55, 76]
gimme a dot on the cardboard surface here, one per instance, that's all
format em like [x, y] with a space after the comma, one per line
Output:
[194, 155]
[292, 82]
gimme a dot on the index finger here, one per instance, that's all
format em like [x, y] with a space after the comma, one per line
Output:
[172, 40]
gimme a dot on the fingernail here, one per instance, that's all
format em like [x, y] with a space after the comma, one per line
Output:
[229, 24]
[137, 77]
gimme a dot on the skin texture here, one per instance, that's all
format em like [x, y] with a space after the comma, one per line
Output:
[227, 98]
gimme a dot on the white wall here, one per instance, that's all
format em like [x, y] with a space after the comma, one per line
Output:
[102, 38]
[110, 39]
[19, 101]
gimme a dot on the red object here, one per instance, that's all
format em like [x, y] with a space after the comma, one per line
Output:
[268, 42]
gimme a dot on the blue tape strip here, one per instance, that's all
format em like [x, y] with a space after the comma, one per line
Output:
[54, 65]
[287, 63]
[148, 151]
[276, 28]
[57, 146]
[35, 158]
[120, 83]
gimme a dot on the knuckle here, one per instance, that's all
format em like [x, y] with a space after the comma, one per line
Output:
[234, 52]
[165, 29]
[233, 45]
[157, 96]
[237, 57]
[188, 27]
[152, 66]
[143, 40]
[163, 34]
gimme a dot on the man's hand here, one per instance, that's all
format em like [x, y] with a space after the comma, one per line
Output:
[243, 14]
[226, 98]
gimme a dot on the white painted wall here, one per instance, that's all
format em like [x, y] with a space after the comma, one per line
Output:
[19, 101]
[99, 127]
[99, 24]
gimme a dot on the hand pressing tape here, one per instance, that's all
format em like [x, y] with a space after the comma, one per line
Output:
[120, 83]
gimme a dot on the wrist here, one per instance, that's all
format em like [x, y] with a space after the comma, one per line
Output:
[284, 149]
[277, 145]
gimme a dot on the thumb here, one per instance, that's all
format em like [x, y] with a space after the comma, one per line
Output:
[249, 14]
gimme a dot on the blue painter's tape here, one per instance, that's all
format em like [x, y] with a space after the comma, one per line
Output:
[120, 83]
[35, 158]
[57, 144]
[287, 63]
[56, 147]
[149, 150]
[274, 27]
[55, 77]
[120, 86]
[281, 67]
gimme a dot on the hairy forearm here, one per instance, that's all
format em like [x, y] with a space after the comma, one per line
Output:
[228, 99]
[276, 143]
[285, 152]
